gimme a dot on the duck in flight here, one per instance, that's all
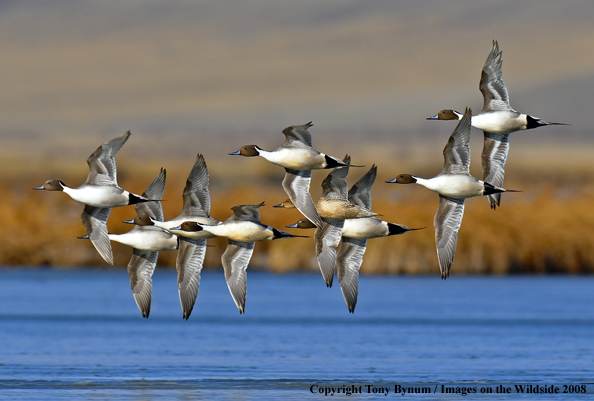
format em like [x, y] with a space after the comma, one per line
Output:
[299, 158]
[190, 256]
[146, 241]
[242, 230]
[99, 193]
[355, 234]
[497, 120]
[334, 208]
[453, 184]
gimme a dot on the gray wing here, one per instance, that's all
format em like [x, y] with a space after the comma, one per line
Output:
[190, 257]
[296, 185]
[327, 239]
[155, 190]
[246, 213]
[456, 154]
[140, 269]
[196, 197]
[235, 261]
[348, 262]
[335, 185]
[102, 165]
[447, 222]
[360, 193]
[95, 221]
[495, 150]
[492, 87]
[298, 136]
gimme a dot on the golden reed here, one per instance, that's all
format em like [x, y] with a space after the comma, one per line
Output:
[548, 228]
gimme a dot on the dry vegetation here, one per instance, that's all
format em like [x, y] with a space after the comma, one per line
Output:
[549, 227]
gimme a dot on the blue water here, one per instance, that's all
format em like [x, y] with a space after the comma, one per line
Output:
[79, 335]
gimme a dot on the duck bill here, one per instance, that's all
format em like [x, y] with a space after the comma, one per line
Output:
[238, 153]
[39, 187]
[279, 205]
[435, 117]
[175, 228]
[392, 181]
[83, 237]
[293, 225]
[128, 221]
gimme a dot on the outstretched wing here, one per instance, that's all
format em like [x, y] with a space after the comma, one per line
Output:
[246, 213]
[447, 222]
[235, 262]
[102, 165]
[456, 154]
[190, 257]
[296, 185]
[196, 196]
[95, 221]
[492, 87]
[140, 269]
[495, 150]
[327, 239]
[360, 193]
[348, 262]
[155, 190]
[335, 185]
[298, 136]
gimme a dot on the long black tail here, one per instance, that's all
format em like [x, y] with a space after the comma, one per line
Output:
[282, 234]
[397, 229]
[533, 122]
[491, 189]
[332, 162]
[134, 199]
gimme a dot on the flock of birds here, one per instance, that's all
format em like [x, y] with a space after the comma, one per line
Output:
[339, 214]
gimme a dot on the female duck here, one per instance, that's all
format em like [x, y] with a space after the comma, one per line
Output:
[355, 234]
[335, 209]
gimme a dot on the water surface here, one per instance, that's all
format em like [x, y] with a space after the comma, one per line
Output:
[66, 334]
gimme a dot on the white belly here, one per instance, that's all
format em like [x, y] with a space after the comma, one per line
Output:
[241, 231]
[500, 122]
[147, 240]
[99, 196]
[365, 228]
[458, 186]
[296, 158]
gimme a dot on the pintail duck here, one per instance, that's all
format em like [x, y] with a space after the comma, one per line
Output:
[298, 158]
[334, 208]
[100, 192]
[497, 120]
[453, 184]
[355, 234]
[190, 257]
[146, 241]
[242, 230]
